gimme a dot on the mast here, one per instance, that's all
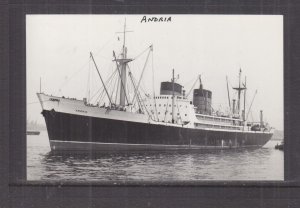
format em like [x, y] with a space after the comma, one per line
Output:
[122, 86]
[228, 93]
[239, 92]
[123, 62]
[123, 71]
[239, 89]
[173, 100]
[244, 114]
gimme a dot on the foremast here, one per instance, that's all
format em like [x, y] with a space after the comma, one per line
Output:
[122, 62]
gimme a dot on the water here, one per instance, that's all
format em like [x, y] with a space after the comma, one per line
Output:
[244, 164]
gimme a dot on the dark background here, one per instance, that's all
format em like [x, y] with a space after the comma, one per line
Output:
[15, 191]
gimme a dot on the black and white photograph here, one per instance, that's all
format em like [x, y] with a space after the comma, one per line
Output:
[154, 97]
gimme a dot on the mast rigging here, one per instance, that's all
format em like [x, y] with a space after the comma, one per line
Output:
[123, 95]
[228, 93]
[123, 62]
[239, 89]
[101, 79]
[138, 85]
[173, 99]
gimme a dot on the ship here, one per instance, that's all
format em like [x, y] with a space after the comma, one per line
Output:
[144, 122]
[280, 146]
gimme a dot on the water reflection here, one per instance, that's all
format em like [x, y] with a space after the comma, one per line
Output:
[239, 164]
[233, 164]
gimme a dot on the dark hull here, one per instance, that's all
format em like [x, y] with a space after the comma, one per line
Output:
[75, 132]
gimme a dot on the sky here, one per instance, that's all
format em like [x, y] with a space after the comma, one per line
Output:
[58, 52]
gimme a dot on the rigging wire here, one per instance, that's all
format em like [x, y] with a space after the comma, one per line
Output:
[140, 54]
[134, 86]
[251, 104]
[152, 66]
[118, 86]
[123, 87]
[188, 94]
[101, 78]
[189, 82]
[141, 89]
[113, 89]
[100, 97]
[88, 82]
[102, 87]
[83, 66]
[128, 91]
[144, 67]
[110, 81]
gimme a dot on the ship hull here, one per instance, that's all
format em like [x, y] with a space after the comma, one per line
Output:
[69, 132]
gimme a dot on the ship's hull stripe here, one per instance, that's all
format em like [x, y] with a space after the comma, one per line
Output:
[82, 146]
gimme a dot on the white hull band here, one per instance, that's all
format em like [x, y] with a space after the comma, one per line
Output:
[95, 146]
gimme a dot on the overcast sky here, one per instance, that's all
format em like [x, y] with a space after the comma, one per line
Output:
[215, 46]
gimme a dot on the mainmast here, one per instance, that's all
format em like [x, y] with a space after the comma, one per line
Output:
[173, 94]
[239, 89]
[245, 85]
[228, 93]
[123, 70]
[123, 63]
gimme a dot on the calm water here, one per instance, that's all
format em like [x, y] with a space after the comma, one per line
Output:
[256, 164]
